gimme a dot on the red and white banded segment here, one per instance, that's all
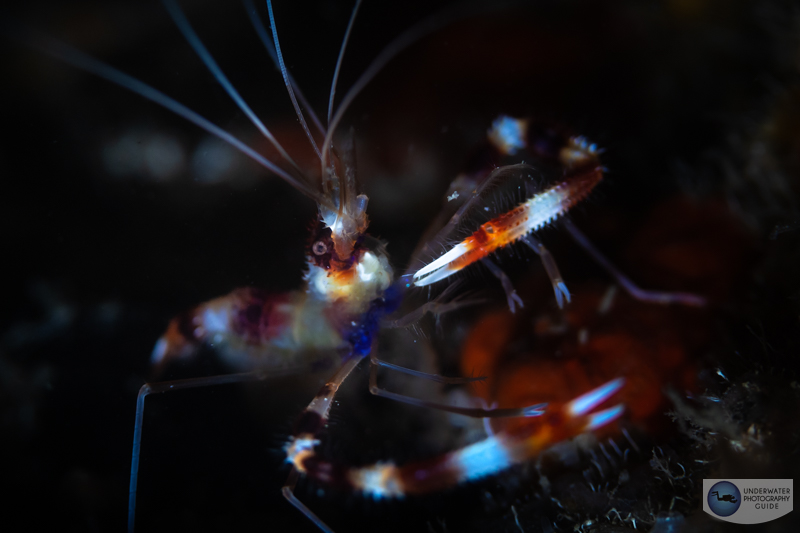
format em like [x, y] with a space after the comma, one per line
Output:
[531, 215]
[491, 455]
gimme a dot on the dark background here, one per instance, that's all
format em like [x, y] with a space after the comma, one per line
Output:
[687, 98]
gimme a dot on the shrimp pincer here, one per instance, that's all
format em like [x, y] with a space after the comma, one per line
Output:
[581, 172]
[579, 162]
[487, 457]
[510, 227]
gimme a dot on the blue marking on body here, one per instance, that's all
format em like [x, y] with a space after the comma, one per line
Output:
[483, 458]
[364, 331]
[604, 417]
[585, 403]
[509, 130]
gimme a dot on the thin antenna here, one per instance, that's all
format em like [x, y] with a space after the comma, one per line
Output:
[341, 57]
[403, 41]
[183, 25]
[78, 59]
[252, 12]
[297, 109]
[171, 386]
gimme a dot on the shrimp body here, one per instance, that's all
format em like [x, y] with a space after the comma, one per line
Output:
[336, 311]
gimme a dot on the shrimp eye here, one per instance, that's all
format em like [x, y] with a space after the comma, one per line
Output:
[319, 248]
[488, 228]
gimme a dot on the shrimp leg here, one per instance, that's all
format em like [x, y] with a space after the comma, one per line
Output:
[169, 386]
[512, 297]
[665, 298]
[300, 449]
[474, 412]
[550, 266]
[425, 375]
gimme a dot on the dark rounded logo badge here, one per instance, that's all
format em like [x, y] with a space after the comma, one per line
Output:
[724, 498]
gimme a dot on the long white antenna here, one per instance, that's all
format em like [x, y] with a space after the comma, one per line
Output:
[198, 46]
[288, 83]
[267, 41]
[341, 57]
[78, 59]
[403, 41]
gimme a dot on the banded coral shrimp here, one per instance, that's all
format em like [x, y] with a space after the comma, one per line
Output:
[586, 94]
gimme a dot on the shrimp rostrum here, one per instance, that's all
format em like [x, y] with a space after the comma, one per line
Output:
[350, 288]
